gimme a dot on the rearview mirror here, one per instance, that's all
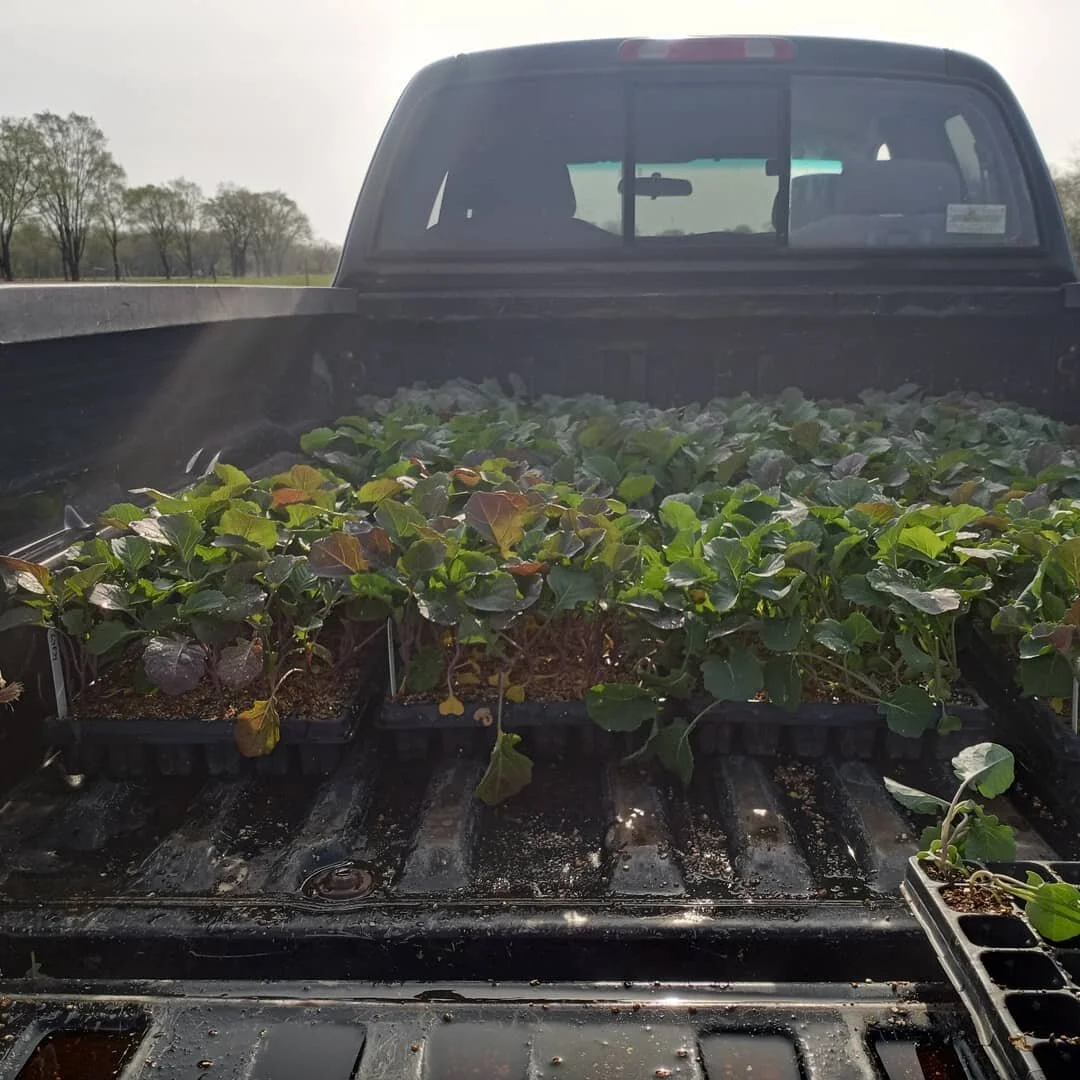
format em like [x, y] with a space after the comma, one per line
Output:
[657, 186]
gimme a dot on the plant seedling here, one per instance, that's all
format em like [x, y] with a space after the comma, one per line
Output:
[967, 833]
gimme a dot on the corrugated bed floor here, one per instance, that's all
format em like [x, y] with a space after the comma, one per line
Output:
[748, 829]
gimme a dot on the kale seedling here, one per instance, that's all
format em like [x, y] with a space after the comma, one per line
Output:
[966, 833]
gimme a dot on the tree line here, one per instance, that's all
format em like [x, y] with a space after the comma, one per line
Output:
[66, 210]
[1067, 182]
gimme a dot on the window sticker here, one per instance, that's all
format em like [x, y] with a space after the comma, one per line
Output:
[987, 219]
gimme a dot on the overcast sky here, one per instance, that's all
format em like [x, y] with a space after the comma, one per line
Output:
[293, 94]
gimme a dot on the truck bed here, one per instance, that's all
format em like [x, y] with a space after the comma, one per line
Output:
[382, 915]
[594, 871]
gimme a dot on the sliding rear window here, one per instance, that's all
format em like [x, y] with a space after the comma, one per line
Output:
[812, 162]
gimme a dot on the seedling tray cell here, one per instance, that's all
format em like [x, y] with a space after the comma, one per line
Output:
[1022, 992]
[142, 747]
[757, 729]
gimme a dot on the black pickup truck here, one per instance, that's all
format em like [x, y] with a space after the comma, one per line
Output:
[669, 222]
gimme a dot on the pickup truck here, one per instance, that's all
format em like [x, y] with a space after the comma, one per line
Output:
[663, 221]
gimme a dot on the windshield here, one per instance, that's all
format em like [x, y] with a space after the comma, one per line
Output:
[812, 162]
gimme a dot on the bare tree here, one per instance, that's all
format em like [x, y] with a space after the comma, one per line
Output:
[154, 209]
[113, 213]
[75, 167]
[20, 154]
[188, 199]
[233, 211]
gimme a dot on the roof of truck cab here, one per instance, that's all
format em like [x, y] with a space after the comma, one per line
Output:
[811, 53]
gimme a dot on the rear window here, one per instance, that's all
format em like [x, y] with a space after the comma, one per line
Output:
[810, 162]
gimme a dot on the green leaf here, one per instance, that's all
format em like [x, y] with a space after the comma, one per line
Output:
[782, 635]
[423, 556]
[636, 487]
[736, 677]
[857, 589]
[77, 585]
[860, 631]
[571, 588]
[204, 602]
[949, 723]
[921, 802]
[727, 555]
[849, 491]
[846, 637]
[1010, 617]
[231, 475]
[279, 569]
[923, 540]
[109, 597]
[107, 635]
[508, 771]
[400, 520]
[1046, 676]
[909, 711]
[679, 516]
[988, 840]
[133, 552]
[905, 586]
[1054, 911]
[620, 706]
[783, 682]
[425, 670]
[603, 467]
[250, 527]
[121, 515]
[431, 495]
[671, 745]
[76, 621]
[915, 659]
[1067, 556]
[843, 547]
[21, 616]
[497, 592]
[320, 438]
[297, 515]
[686, 572]
[987, 766]
[182, 532]
[471, 563]
[830, 633]
[375, 491]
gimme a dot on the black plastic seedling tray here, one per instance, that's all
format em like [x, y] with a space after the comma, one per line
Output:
[758, 729]
[141, 747]
[1023, 994]
[1048, 734]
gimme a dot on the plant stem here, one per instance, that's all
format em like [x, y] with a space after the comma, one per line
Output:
[867, 682]
[1076, 706]
[499, 708]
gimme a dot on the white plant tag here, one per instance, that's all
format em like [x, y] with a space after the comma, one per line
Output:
[987, 219]
[56, 662]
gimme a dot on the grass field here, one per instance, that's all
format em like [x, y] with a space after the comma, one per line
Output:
[284, 279]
